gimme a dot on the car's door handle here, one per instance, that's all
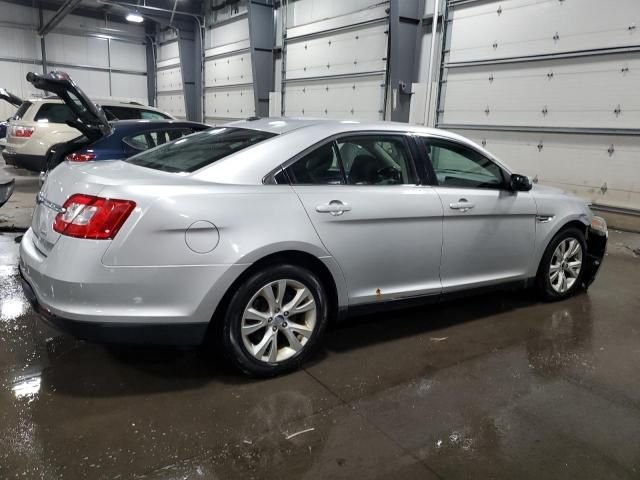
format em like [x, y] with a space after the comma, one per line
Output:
[463, 205]
[334, 207]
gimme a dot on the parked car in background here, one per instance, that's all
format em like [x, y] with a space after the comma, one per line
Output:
[16, 102]
[256, 233]
[102, 139]
[40, 123]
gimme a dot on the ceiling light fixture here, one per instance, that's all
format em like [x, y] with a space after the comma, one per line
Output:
[134, 17]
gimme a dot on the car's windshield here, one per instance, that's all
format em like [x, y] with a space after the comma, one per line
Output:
[195, 151]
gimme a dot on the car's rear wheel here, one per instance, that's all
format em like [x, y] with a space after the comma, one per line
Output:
[275, 320]
[562, 265]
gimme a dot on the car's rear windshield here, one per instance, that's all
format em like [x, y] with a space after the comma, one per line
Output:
[54, 113]
[193, 152]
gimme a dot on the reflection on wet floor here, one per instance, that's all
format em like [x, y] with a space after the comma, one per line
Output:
[499, 386]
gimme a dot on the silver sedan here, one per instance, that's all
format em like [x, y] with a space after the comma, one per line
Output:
[258, 233]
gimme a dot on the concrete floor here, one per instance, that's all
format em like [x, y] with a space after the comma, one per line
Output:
[499, 386]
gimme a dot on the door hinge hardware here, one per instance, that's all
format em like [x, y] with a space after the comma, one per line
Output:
[491, 78]
[499, 11]
[618, 111]
[604, 188]
[540, 146]
[484, 142]
[487, 111]
[550, 75]
[556, 37]
[545, 111]
[624, 69]
[631, 27]
[611, 149]
[495, 45]
[535, 179]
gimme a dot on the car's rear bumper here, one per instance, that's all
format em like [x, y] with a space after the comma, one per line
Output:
[35, 163]
[118, 333]
[75, 292]
[596, 248]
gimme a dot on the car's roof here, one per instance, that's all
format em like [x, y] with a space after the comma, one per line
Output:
[330, 126]
[99, 101]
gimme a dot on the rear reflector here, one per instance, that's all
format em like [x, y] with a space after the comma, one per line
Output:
[80, 157]
[96, 218]
[22, 132]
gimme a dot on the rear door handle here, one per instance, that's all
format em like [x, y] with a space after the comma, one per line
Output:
[463, 205]
[334, 207]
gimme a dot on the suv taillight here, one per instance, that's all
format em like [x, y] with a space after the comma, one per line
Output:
[80, 157]
[22, 132]
[96, 218]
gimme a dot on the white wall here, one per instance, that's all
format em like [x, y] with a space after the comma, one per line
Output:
[335, 59]
[104, 68]
[547, 67]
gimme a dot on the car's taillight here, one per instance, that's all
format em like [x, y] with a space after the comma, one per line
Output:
[80, 157]
[96, 218]
[22, 132]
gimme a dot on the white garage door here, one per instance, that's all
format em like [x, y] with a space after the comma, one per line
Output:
[228, 76]
[169, 88]
[551, 87]
[335, 59]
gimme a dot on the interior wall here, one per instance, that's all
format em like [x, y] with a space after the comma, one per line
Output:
[106, 58]
[551, 87]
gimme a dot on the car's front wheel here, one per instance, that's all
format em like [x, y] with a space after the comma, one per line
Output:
[275, 320]
[561, 268]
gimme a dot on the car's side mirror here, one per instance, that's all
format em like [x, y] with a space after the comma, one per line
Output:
[520, 183]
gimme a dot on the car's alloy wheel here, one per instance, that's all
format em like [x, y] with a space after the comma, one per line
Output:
[274, 320]
[278, 321]
[561, 268]
[566, 265]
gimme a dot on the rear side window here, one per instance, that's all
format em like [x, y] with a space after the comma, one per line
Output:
[54, 113]
[199, 150]
[151, 115]
[121, 113]
[154, 138]
[21, 111]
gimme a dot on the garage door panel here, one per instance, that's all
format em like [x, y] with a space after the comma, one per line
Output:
[70, 49]
[17, 43]
[172, 103]
[585, 165]
[128, 56]
[352, 51]
[578, 92]
[129, 87]
[228, 70]
[354, 98]
[169, 80]
[524, 28]
[230, 102]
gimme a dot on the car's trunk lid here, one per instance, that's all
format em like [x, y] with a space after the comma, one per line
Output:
[88, 178]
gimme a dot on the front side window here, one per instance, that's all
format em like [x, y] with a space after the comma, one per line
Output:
[196, 151]
[376, 160]
[355, 160]
[458, 166]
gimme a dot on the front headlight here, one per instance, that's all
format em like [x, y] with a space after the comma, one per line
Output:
[598, 225]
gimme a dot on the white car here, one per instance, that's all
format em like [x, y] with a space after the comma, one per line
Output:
[40, 123]
[256, 233]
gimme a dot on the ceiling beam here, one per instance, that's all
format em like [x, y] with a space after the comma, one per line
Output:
[62, 12]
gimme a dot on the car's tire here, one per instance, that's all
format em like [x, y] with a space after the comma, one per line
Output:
[562, 266]
[252, 320]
